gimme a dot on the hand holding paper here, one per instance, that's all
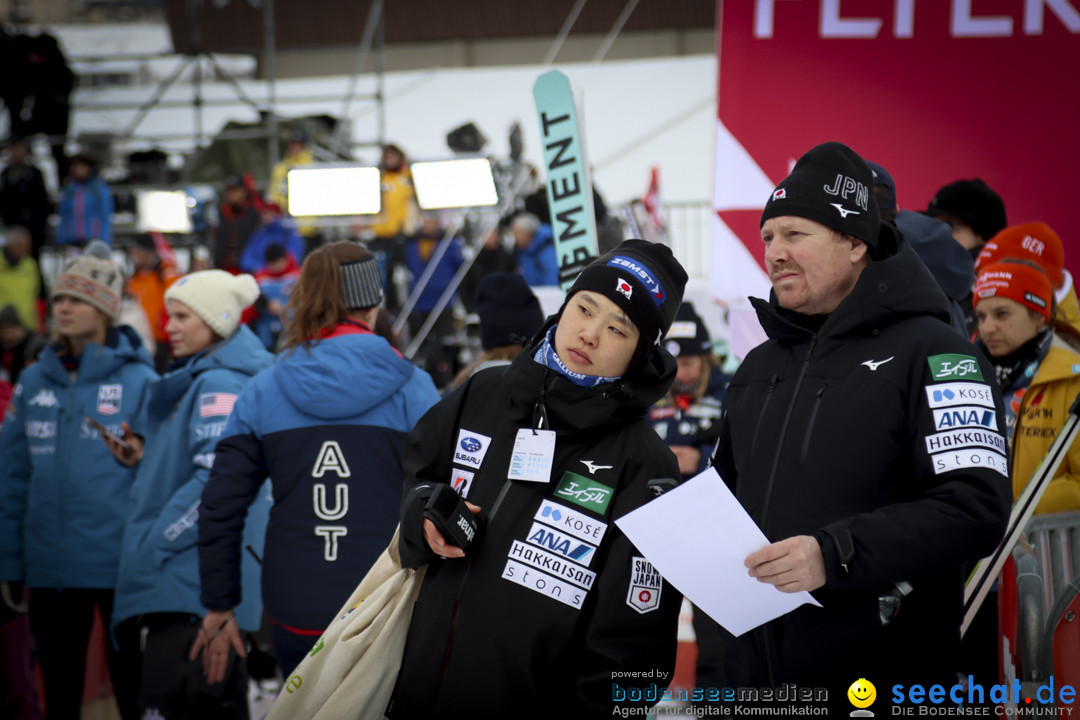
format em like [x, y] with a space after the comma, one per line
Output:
[677, 532]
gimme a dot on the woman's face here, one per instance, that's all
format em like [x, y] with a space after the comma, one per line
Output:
[594, 336]
[1005, 325]
[188, 334]
[690, 369]
[76, 319]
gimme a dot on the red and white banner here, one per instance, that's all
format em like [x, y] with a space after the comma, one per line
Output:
[936, 91]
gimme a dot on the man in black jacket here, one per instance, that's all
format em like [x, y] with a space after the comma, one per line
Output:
[865, 439]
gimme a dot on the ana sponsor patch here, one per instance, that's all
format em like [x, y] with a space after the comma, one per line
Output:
[571, 521]
[470, 448]
[561, 544]
[108, 399]
[959, 393]
[645, 586]
[548, 562]
[969, 458]
[461, 481]
[541, 582]
[585, 492]
[952, 439]
[965, 416]
[952, 366]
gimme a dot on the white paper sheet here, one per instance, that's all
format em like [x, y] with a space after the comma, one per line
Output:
[698, 536]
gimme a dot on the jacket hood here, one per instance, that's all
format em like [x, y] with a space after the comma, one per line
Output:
[1062, 361]
[948, 261]
[123, 346]
[241, 352]
[342, 376]
[887, 291]
[572, 407]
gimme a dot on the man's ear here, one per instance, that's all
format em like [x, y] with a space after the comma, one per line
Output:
[859, 250]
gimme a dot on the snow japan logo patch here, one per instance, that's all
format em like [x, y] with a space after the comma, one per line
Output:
[108, 399]
[645, 586]
[624, 287]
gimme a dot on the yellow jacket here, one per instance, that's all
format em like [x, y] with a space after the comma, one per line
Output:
[399, 211]
[279, 189]
[1043, 410]
[1068, 315]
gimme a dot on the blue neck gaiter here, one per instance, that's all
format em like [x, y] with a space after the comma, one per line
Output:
[546, 355]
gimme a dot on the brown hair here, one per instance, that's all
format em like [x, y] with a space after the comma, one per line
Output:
[315, 303]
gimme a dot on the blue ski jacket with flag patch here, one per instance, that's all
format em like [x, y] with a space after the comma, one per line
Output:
[328, 427]
[63, 496]
[182, 420]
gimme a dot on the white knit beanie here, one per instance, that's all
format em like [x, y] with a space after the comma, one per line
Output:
[216, 296]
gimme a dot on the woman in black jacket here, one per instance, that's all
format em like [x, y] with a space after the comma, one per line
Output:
[550, 609]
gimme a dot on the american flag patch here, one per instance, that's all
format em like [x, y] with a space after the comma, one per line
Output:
[211, 404]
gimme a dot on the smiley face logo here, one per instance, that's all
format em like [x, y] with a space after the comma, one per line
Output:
[862, 693]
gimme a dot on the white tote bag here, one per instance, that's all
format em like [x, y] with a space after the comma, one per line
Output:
[351, 671]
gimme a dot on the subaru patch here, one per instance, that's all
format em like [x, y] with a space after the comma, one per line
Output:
[470, 448]
[108, 399]
[645, 586]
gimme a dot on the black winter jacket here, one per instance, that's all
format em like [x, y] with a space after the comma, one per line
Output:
[552, 600]
[880, 434]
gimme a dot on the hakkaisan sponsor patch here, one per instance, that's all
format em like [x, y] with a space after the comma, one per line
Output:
[959, 393]
[541, 582]
[969, 458]
[571, 522]
[965, 416]
[561, 544]
[953, 439]
[645, 586]
[470, 448]
[548, 562]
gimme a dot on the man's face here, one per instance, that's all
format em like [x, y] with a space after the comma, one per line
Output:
[812, 268]
[141, 258]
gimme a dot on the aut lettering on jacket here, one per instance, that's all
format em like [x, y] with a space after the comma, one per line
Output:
[330, 460]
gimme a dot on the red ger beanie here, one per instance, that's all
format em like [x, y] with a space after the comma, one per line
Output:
[1015, 281]
[1034, 242]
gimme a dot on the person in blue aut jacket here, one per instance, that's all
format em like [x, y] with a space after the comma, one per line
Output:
[328, 424]
[156, 615]
[62, 496]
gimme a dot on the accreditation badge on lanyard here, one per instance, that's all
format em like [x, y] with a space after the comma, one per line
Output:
[533, 455]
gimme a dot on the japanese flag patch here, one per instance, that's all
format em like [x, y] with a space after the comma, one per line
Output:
[645, 586]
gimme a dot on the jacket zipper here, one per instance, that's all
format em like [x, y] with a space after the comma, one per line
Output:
[810, 425]
[767, 628]
[761, 413]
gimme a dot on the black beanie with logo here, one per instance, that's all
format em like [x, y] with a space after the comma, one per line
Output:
[833, 186]
[644, 279]
[688, 335]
